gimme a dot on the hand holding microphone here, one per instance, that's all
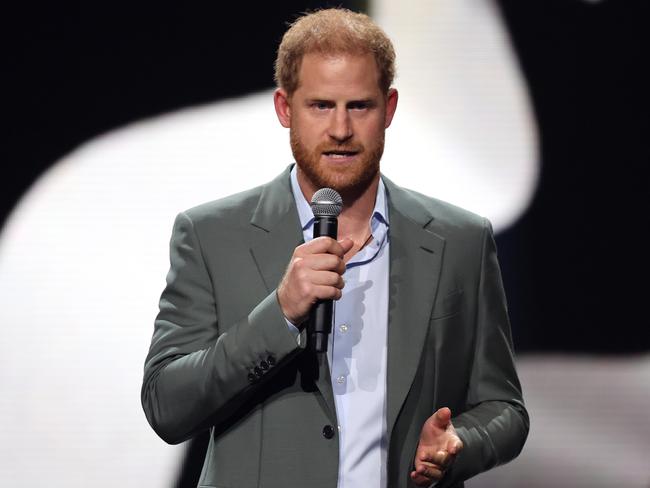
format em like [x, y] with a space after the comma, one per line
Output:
[314, 275]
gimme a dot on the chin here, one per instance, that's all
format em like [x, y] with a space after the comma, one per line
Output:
[350, 185]
[351, 177]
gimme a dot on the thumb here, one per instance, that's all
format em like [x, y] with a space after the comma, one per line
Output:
[346, 244]
[442, 417]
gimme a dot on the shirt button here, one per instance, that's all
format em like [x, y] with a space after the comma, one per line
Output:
[343, 328]
[340, 380]
[328, 432]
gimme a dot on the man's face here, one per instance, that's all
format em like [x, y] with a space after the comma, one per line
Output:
[337, 118]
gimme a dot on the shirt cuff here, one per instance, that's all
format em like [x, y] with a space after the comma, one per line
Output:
[294, 331]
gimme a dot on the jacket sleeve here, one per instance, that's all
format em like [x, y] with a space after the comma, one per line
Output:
[195, 373]
[495, 426]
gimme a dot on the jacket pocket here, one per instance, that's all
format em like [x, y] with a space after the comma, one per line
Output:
[448, 305]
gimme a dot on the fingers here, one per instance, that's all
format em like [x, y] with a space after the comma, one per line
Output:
[455, 445]
[442, 458]
[324, 245]
[321, 262]
[431, 468]
[327, 278]
[314, 273]
[426, 473]
[439, 445]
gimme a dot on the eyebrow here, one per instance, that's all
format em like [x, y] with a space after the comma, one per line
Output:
[364, 101]
[319, 100]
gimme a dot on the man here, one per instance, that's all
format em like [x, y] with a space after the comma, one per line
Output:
[418, 385]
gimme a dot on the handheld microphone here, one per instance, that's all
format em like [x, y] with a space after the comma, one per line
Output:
[326, 205]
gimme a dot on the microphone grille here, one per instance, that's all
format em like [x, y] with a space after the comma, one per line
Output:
[326, 203]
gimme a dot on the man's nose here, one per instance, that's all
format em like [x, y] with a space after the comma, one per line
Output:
[340, 127]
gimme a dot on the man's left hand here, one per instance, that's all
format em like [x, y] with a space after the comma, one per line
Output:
[438, 447]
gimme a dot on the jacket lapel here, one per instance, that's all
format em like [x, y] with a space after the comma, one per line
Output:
[415, 263]
[277, 216]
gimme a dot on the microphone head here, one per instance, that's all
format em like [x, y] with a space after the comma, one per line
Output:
[326, 203]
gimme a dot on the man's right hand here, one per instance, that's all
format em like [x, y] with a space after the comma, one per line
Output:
[314, 273]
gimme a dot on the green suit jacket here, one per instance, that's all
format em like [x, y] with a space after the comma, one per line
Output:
[223, 358]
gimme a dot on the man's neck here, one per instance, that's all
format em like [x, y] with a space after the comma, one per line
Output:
[354, 220]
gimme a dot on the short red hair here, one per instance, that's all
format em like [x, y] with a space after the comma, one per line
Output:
[330, 32]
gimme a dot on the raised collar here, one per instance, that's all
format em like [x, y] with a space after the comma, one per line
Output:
[379, 213]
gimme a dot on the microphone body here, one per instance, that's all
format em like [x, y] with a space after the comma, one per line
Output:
[322, 313]
[326, 205]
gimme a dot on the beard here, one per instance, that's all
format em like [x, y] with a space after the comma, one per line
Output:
[350, 181]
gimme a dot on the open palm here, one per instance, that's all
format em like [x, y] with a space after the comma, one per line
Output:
[439, 444]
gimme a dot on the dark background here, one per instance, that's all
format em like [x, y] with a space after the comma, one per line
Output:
[575, 266]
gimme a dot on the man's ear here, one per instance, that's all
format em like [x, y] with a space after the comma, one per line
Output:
[391, 106]
[282, 107]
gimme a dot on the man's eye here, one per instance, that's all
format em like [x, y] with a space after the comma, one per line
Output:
[358, 106]
[320, 105]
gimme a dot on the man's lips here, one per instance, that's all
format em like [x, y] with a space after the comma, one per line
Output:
[340, 153]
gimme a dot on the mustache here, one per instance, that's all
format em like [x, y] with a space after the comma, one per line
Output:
[353, 148]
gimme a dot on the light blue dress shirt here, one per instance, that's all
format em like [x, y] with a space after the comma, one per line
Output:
[357, 350]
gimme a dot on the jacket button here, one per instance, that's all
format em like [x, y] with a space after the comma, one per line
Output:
[328, 432]
[251, 377]
[270, 360]
[258, 372]
[264, 365]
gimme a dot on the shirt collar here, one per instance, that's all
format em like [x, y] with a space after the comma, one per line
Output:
[379, 213]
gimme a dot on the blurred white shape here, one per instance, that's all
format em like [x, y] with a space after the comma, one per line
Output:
[589, 424]
[82, 264]
[464, 129]
[83, 257]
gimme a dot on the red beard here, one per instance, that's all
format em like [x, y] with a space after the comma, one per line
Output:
[349, 180]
